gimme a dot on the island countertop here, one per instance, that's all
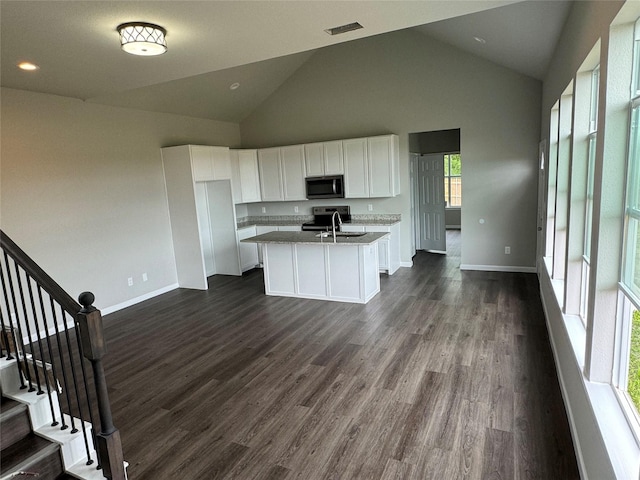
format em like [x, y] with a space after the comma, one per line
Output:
[312, 238]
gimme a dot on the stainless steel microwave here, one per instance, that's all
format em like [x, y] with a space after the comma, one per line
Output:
[325, 187]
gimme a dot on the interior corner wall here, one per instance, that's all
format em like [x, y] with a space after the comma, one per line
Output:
[405, 82]
[82, 190]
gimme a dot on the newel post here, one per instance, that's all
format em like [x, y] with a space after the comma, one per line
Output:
[94, 348]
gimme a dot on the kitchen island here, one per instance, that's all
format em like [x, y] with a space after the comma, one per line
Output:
[309, 265]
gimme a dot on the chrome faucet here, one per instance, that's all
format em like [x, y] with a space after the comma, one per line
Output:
[333, 224]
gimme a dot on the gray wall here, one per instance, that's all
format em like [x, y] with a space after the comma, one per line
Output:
[405, 82]
[82, 190]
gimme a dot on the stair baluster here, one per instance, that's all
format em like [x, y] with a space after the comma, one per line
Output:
[22, 363]
[54, 422]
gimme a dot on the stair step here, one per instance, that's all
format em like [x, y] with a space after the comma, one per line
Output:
[34, 455]
[14, 422]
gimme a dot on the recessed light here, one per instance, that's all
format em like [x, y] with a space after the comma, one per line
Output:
[30, 67]
[234, 86]
[480, 40]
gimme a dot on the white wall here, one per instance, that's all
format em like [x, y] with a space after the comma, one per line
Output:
[405, 82]
[82, 190]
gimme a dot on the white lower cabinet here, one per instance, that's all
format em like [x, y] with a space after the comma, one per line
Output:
[342, 273]
[248, 251]
[388, 248]
[260, 229]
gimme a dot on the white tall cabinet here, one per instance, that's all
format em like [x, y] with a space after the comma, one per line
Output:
[202, 215]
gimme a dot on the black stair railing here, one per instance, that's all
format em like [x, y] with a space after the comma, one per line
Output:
[51, 337]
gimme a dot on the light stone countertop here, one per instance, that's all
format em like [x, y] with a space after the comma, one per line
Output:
[298, 220]
[312, 238]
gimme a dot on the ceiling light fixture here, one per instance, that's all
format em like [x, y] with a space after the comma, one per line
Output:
[234, 86]
[480, 40]
[140, 38]
[28, 66]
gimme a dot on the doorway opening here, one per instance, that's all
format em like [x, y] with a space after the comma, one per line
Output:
[436, 191]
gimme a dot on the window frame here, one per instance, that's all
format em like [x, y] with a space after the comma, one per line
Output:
[447, 179]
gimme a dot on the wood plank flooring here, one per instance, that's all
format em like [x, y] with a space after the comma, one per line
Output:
[443, 375]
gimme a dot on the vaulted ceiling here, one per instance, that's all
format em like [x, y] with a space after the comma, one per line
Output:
[258, 44]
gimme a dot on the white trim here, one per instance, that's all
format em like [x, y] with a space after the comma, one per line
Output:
[615, 432]
[498, 268]
[141, 298]
[407, 264]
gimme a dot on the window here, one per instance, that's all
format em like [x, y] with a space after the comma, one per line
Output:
[628, 328]
[593, 129]
[453, 180]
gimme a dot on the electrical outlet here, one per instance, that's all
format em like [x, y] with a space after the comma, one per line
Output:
[507, 250]
[264, 209]
[295, 209]
[144, 277]
[370, 207]
[130, 281]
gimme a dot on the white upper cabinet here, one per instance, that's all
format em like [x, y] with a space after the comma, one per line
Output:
[270, 174]
[371, 167]
[333, 158]
[384, 172]
[245, 176]
[324, 158]
[293, 172]
[282, 173]
[356, 168]
[314, 159]
[210, 163]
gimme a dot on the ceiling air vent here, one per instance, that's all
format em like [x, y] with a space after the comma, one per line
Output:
[344, 28]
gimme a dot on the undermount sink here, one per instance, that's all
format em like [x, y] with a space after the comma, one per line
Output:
[341, 234]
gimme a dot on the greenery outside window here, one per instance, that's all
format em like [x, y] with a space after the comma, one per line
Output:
[452, 180]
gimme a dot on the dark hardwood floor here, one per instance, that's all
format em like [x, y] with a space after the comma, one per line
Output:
[443, 375]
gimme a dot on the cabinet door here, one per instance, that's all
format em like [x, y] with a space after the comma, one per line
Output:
[333, 158]
[235, 177]
[248, 251]
[201, 163]
[270, 177]
[382, 163]
[314, 159]
[249, 177]
[384, 245]
[293, 172]
[221, 163]
[356, 171]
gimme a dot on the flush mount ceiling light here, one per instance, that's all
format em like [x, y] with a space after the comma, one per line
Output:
[480, 40]
[28, 66]
[140, 38]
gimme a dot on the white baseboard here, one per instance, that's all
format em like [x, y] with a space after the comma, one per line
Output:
[498, 268]
[104, 311]
[141, 298]
[406, 264]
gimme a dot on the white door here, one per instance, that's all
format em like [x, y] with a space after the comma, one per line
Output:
[430, 183]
